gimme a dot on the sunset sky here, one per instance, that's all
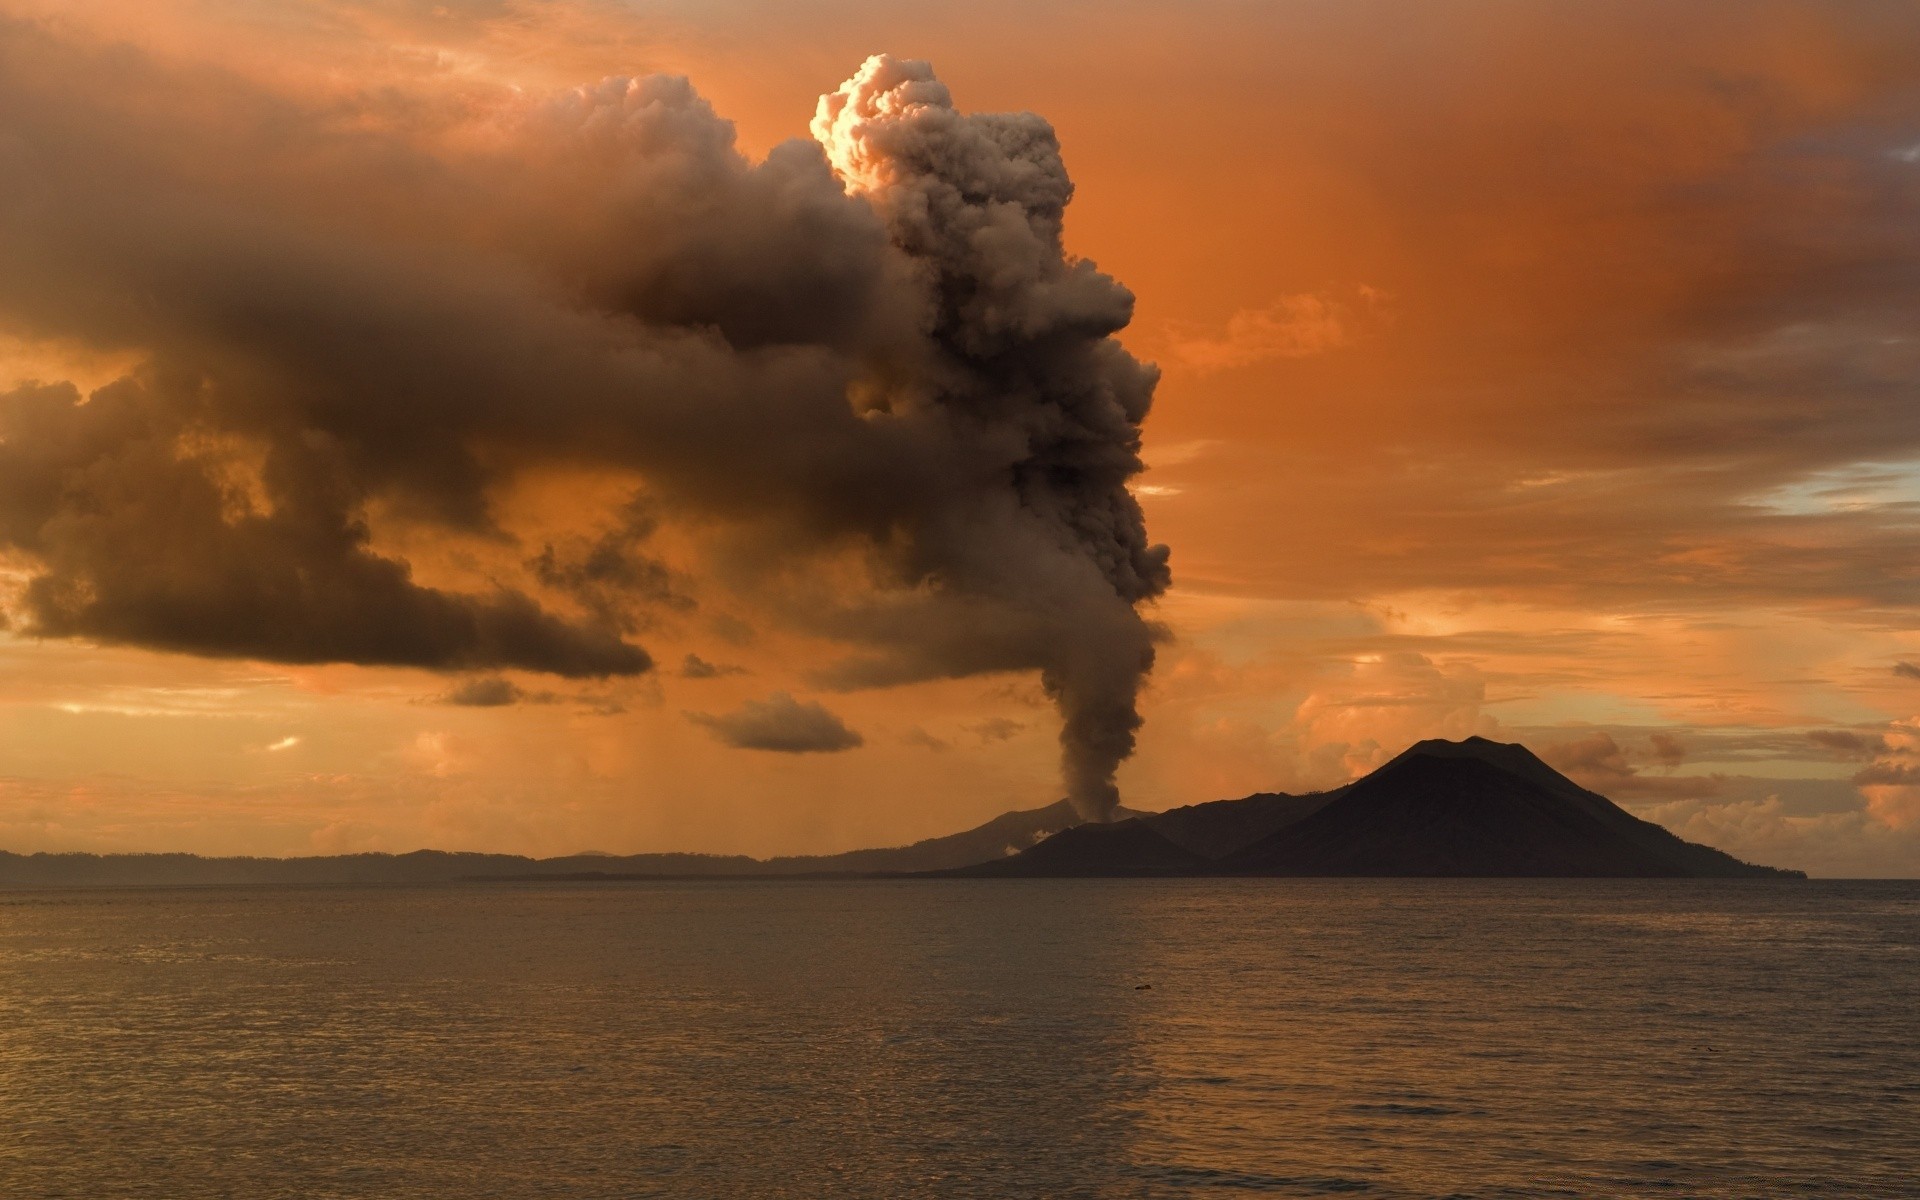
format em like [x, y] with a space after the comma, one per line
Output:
[1546, 372]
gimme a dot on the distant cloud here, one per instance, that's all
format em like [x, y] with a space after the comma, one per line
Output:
[1906, 670]
[1889, 771]
[917, 736]
[493, 691]
[695, 667]
[782, 724]
[1601, 764]
[996, 729]
[489, 692]
[1846, 743]
[1891, 782]
[1667, 750]
[1294, 326]
[285, 743]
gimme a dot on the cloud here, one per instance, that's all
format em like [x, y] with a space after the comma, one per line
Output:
[1769, 829]
[362, 320]
[1667, 750]
[1369, 709]
[995, 729]
[1291, 327]
[780, 723]
[1845, 743]
[1891, 782]
[1624, 355]
[491, 691]
[609, 575]
[1906, 670]
[142, 540]
[1599, 763]
[695, 667]
[917, 736]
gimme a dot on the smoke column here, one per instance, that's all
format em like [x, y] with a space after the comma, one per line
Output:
[1023, 355]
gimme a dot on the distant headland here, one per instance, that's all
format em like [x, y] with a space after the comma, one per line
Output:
[1473, 808]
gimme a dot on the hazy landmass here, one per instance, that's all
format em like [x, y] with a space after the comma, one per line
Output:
[1472, 808]
[1005, 834]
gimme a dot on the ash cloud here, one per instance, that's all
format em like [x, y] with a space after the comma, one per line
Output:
[493, 691]
[610, 576]
[141, 541]
[781, 724]
[870, 346]
[695, 667]
[1019, 338]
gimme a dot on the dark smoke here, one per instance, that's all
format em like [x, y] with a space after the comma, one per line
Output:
[1022, 356]
[867, 349]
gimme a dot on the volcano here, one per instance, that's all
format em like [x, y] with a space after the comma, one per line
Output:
[1473, 808]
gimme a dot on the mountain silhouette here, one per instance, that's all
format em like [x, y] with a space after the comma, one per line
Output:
[1468, 808]
[1474, 807]
[1003, 835]
[1120, 848]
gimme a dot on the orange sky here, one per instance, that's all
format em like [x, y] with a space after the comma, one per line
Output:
[1546, 372]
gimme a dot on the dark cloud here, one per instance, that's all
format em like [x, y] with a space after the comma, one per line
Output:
[143, 538]
[1845, 743]
[1906, 670]
[1667, 750]
[488, 691]
[610, 576]
[695, 667]
[1889, 772]
[1601, 764]
[388, 307]
[780, 723]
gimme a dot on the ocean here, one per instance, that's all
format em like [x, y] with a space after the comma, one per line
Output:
[1042, 1038]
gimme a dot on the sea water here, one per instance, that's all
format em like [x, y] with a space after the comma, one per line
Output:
[963, 1038]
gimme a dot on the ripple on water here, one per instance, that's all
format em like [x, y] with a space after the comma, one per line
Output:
[900, 1039]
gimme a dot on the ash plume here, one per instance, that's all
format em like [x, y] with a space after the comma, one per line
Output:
[869, 347]
[1020, 355]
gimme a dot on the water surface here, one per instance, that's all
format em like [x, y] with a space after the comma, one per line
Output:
[963, 1038]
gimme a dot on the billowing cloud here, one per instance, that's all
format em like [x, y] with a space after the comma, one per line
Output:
[1370, 709]
[1891, 782]
[1630, 448]
[1023, 336]
[362, 320]
[1667, 750]
[780, 723]
[1600, 763]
